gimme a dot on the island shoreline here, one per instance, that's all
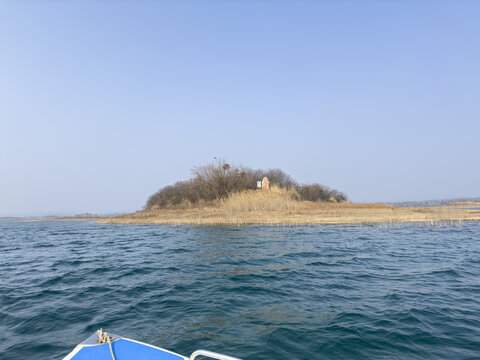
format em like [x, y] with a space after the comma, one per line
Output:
[307, 214]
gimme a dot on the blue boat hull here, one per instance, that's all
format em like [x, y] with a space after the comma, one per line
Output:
[123, 349]
[103, 346]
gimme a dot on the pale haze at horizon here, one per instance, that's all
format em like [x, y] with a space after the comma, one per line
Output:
[103, 103]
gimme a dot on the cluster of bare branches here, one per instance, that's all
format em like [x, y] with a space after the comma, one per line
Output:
[217, 180]
[318, 192]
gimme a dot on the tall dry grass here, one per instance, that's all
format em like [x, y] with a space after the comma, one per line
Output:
[285, 206]
[257, 212]
[277, 199]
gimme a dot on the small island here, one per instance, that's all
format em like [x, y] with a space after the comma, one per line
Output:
[225, 194]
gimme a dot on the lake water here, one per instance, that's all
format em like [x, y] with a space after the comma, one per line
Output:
[408, 291]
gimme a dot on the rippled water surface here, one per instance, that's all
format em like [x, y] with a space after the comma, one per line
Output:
[305, 292]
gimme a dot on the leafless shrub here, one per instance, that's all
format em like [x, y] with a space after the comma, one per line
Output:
[280, 178]
[219, 180]
[318, 192]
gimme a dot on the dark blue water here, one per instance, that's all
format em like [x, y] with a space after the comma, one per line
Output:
[306, 292]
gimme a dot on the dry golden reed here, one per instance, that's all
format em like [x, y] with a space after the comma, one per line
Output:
[280, 207]
[276, 199]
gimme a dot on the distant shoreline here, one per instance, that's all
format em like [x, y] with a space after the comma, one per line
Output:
[60, 218]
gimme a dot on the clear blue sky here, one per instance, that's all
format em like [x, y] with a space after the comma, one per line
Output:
[103, 103]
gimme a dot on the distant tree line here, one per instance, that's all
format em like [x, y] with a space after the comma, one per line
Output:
[218, 180]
